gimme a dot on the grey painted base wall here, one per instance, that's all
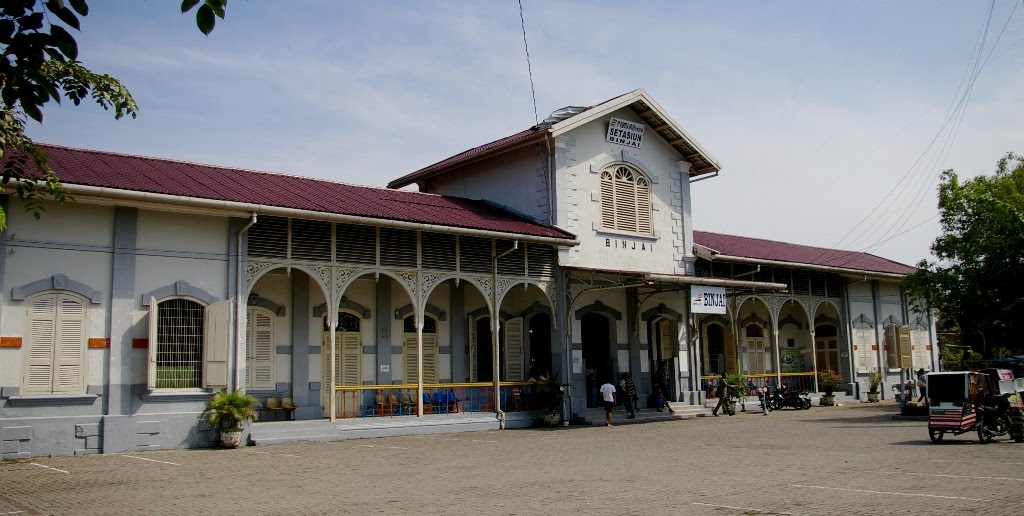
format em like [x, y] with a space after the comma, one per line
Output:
[80, 435]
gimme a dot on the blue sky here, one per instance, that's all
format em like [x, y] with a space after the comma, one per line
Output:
[816, 110]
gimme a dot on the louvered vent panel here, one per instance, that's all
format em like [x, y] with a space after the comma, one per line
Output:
[801, 282]
[702, 268]
[397, 247]
[475, 254]
[356, 244]
[542, 260]
[832, 285]
[269, 237]
[818, 284]
[512, 263]
[311, 240]
[439, 251]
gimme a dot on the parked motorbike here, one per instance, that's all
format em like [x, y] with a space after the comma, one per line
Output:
[994, 418]
[781, 398]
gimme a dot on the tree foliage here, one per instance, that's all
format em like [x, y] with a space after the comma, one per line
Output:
[40, 65]
[978, 280]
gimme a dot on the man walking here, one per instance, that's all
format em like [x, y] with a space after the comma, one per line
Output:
[721, 391]
[628, 389]
[608, 397]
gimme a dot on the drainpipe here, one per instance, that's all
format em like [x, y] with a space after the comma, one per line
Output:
[239, 299]
[495, 327]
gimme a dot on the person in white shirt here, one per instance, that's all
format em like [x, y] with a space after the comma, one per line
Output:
[608, 397]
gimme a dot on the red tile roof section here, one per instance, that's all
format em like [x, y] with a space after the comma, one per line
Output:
[163, 176]
[464, 156]
[762, 249]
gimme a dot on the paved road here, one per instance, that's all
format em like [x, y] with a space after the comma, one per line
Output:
[841, 460]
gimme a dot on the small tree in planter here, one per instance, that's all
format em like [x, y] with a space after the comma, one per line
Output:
[875, 380]
[228, 412]
[829, 381]
[549, 397]
[737, 389]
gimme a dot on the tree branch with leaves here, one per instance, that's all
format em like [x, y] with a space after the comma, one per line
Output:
[40, 65]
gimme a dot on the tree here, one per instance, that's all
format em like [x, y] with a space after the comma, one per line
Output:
[978, 282]
[40, 65]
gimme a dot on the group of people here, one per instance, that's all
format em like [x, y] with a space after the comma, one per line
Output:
[610, 395]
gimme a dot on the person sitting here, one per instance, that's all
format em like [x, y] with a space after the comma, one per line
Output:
[660, 401]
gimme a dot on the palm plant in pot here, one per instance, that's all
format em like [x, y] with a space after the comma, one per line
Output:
[737, 389]
[829, 381]
[875, 380]
[228, 412]
[549, 396]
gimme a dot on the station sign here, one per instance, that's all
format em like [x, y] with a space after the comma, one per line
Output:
[707, 300]
[624, 132]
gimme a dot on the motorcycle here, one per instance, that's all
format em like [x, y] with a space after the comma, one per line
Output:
[781, 398]
[993, 418]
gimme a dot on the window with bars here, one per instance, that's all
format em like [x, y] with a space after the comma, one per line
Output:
[625, 200]
[179, 344]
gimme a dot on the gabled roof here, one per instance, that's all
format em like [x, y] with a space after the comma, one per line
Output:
[737, 248]
[125, 172]
[638, 100]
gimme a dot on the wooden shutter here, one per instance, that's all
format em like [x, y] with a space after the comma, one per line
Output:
[39, 352]
[891, 346]
[473, 352]
[411, 362]
[755, 356]
[904, 347]
[259, 350]
[351, 357]
[665, 339]
[607, 201]
[151, 370]
[216, 345]
[643, 206]
[69, 351]
[430, 357]
[514, 349]
[625, 201]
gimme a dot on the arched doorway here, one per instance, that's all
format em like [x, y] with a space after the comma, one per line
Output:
[714, 359]
[826, 342]
[597, 349]
[540, 345]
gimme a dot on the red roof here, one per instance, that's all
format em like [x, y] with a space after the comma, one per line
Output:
[759, 248]
[163, 176]
[468, 155]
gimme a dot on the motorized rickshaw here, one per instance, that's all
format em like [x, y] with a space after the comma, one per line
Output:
[1006, 397]
[952, 402]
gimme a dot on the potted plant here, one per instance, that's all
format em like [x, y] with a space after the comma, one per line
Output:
[228, 412]
[549, 396]
[875, 380]
[737, 389]
[829, 381]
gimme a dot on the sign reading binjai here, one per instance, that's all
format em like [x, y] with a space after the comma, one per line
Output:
[624, 132]
[707, 300]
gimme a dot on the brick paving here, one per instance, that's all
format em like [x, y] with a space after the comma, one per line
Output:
[841, 460]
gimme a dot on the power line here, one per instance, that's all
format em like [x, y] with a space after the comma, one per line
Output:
[529, 69]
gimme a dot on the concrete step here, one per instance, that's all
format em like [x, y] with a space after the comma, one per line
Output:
[595, 416]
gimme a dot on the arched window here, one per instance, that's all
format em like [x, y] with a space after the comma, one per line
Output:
[625, 200]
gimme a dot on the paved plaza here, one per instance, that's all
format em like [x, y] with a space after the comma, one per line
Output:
[840, 460]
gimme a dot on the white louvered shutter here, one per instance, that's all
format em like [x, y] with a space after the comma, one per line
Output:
[411, 362]
[69, 352]
[473, 352]
[607, 201]
[39, 351]
[259, 350]
[514, 349]
[430, 357]
[216, 345]
[643, 207]
[350, 355]
[625, 200]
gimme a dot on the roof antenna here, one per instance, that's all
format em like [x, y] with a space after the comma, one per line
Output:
[529, 69]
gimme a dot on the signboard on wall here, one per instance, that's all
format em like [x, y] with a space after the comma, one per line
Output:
[792, 360]
[624, 132]
[707, 300]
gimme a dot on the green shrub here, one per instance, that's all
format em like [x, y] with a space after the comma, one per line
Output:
[874, 378]
[829, 381]
[228, 410]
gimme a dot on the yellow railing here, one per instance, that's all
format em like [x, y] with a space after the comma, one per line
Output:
[803, 381]
[438, 398]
